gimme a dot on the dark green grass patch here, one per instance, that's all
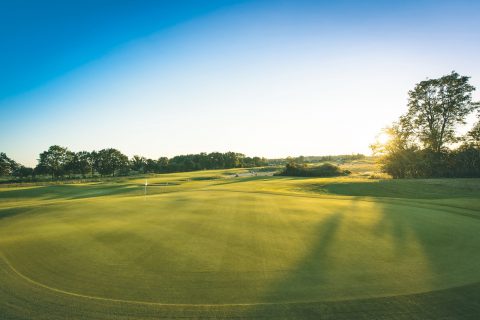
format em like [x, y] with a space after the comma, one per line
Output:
[408, 188]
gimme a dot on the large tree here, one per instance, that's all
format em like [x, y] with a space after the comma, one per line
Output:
[421, 142]
[398, 156]
[23, 172]
[437, 106]
[7, 165]
[473, 136]
[162, 164]
[54, 160]
[80, 163]
[138, 163]
[151, 166]
[108, 161]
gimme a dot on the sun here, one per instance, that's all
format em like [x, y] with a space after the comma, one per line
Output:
[383, 138]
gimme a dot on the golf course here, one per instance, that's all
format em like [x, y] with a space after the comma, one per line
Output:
[228, 244]
[239, 159]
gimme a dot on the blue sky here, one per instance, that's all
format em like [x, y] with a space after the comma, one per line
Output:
[269, 78]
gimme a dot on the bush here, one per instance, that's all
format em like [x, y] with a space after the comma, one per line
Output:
[324, 170]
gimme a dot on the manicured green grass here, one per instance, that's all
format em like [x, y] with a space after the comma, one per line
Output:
[207, 245]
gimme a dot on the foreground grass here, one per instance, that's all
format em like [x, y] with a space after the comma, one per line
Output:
[205, 244]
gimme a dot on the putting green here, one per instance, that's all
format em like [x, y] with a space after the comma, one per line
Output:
[228, 247]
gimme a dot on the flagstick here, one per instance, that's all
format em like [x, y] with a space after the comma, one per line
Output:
[146, 184]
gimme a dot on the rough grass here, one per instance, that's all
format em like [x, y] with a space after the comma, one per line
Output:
[249, 247]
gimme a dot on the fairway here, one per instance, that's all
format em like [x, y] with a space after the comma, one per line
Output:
[207, 245]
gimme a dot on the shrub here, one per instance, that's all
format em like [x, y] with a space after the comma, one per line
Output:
[301, 170]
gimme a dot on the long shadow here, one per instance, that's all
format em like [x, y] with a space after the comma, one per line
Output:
[312, 270]
[395, 230]
[65, 192]
[406, 189]
[431, 229]
[418, 231]
[248, 179]
[11, 212]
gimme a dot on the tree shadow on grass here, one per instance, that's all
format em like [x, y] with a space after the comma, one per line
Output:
[438, 244]
[11, 212]
[448, 241]
[252, 178]
[65, 192]
[406, 189]
[313, 270]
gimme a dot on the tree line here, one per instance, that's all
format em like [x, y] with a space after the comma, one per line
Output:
[341, 158]
[59, 162]
[424, 142]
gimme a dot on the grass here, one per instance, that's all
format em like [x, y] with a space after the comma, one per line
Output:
[208, 245]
